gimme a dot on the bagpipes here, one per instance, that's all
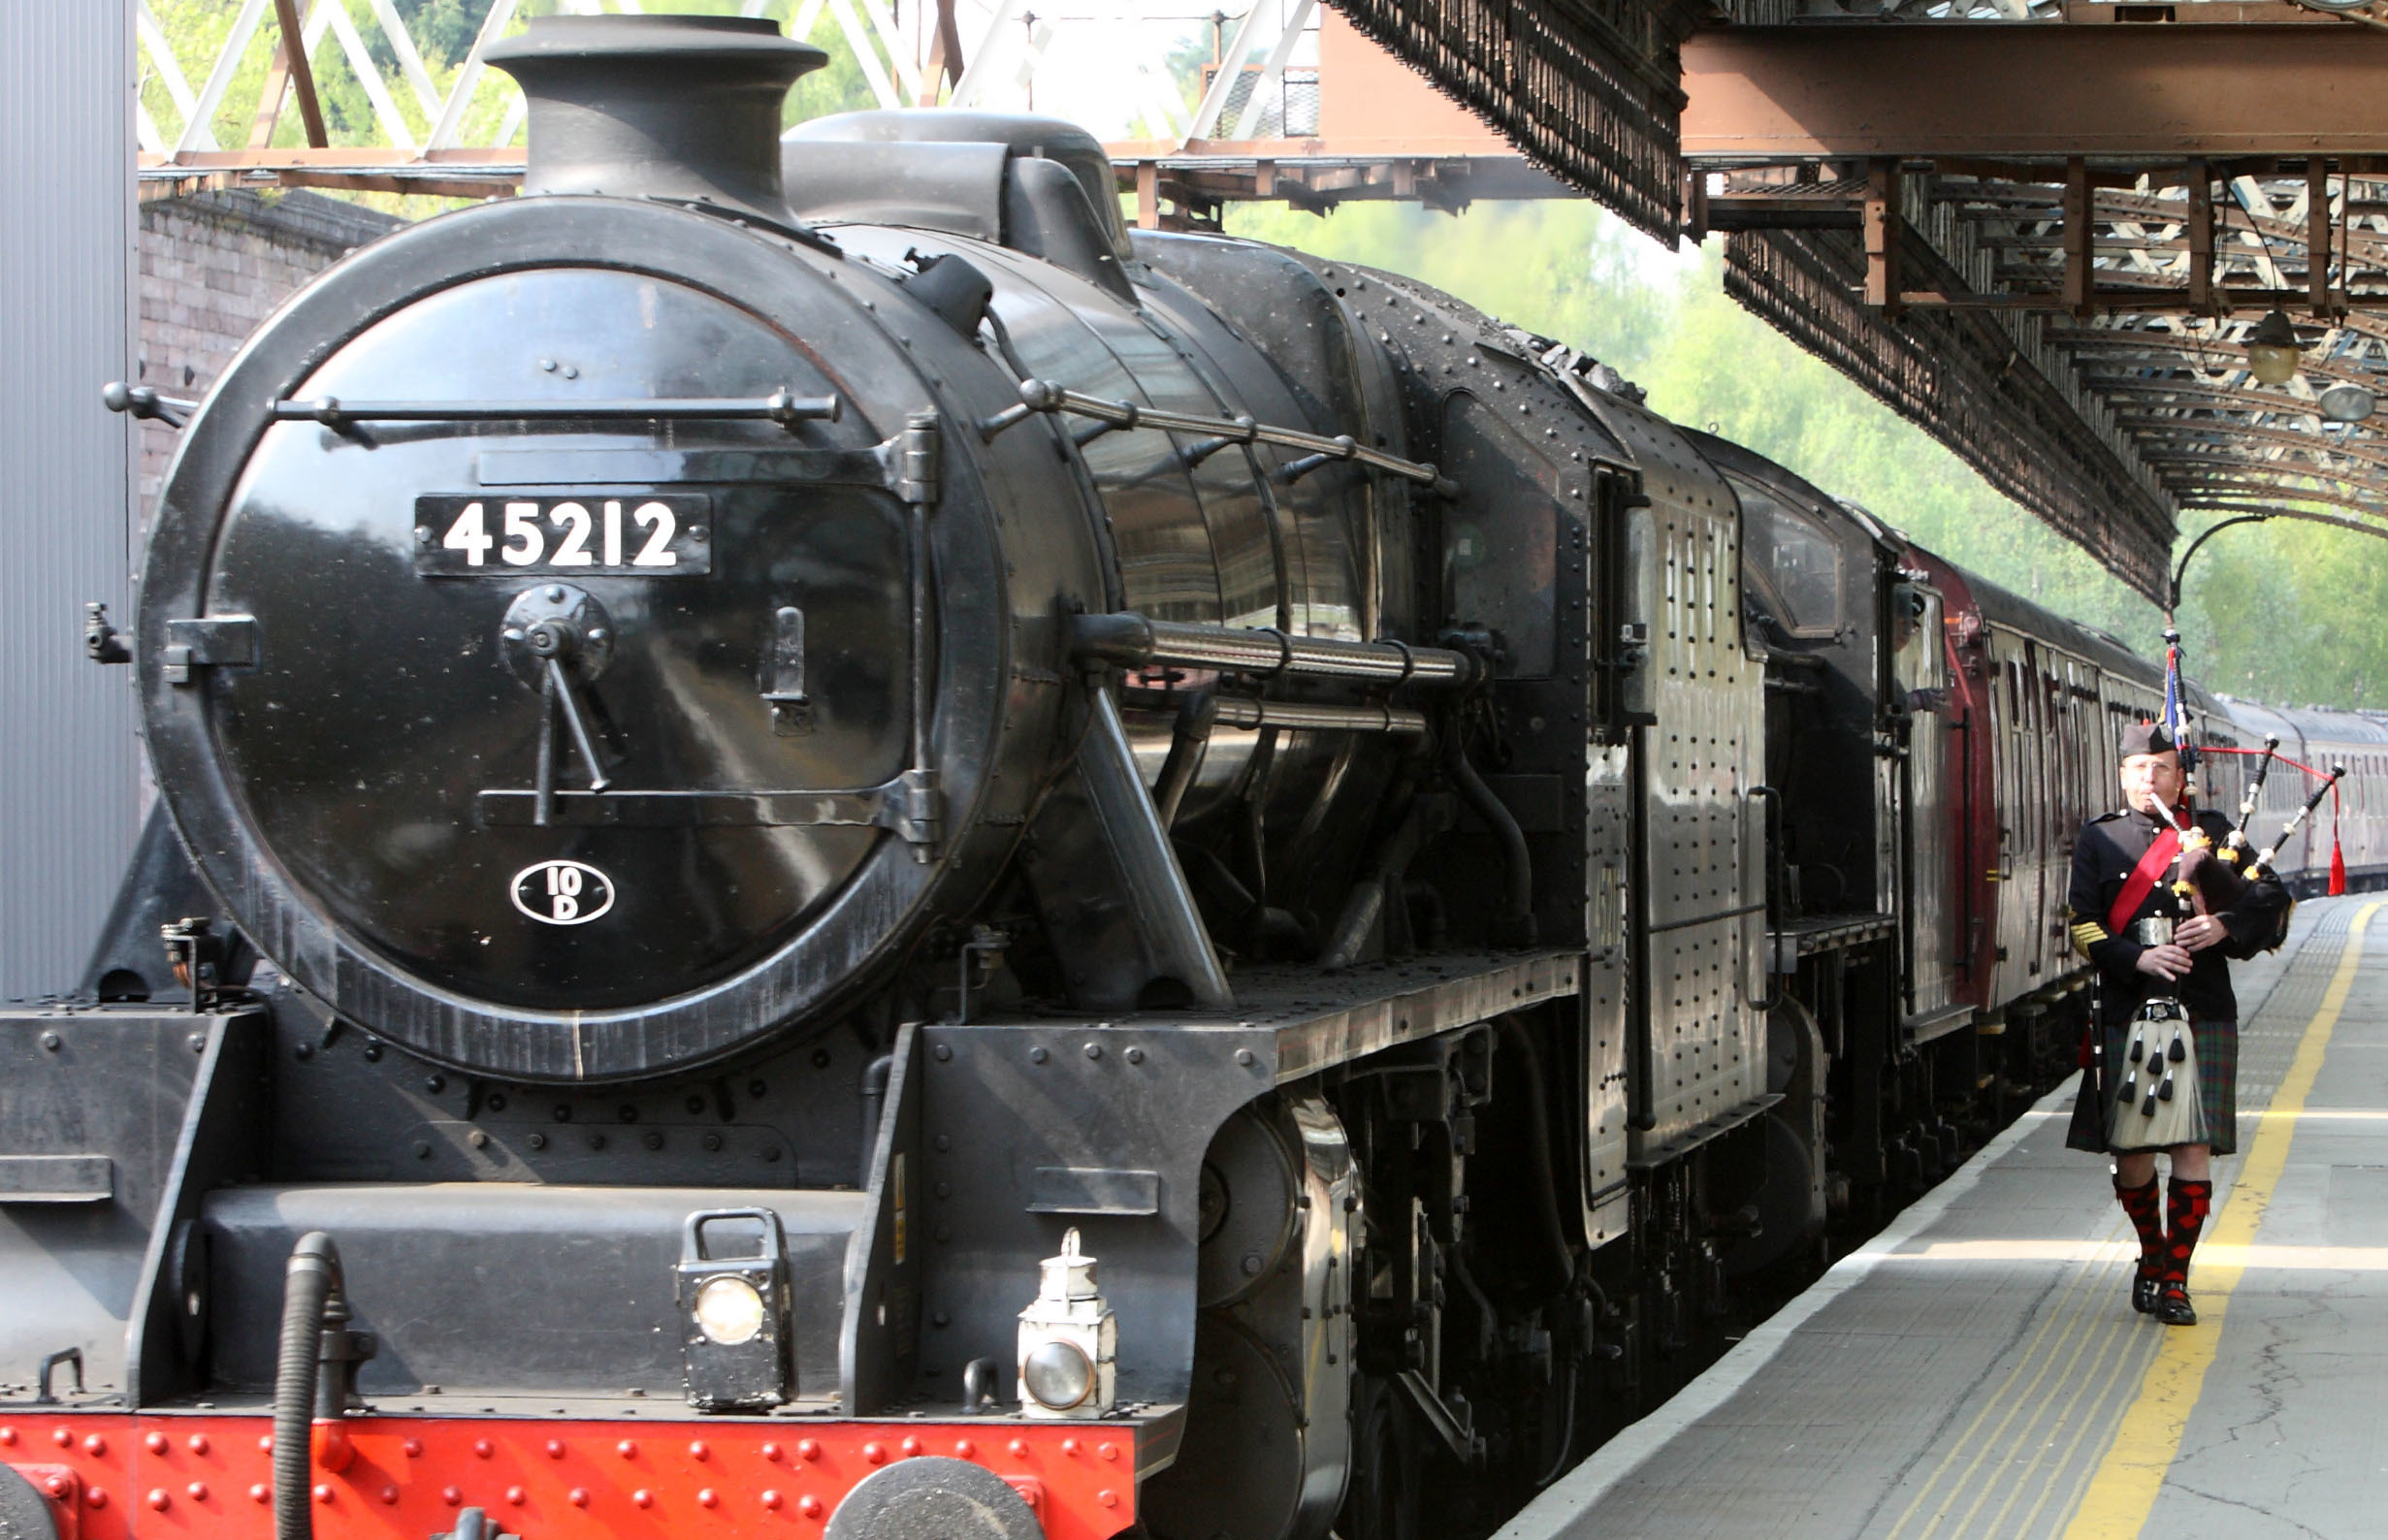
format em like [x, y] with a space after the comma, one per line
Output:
[2213, 879]
[2262, 865]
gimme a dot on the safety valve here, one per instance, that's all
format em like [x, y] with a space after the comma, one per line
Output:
[735, 1338]
[1068, 1341]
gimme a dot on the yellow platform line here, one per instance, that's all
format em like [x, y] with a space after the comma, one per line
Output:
[2123, 1491]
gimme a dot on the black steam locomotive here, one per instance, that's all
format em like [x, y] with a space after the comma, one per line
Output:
[845, 852]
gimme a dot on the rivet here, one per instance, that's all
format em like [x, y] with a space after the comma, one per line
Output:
[51, 1040]
[653, 1140]
[1244, 1056]
[643, 1498]
[422, 1149]
[1068, 1446]
[1037, 1055]
[554, 593]
[434, 1083]
[1018, 1447]
[578, 1497]
[1136, 1055]
[1108, 1451]
[809, 1506]
[389, 1496]
[323, 1494]
[964, 1449]
[1108, 1497]
[941, 1319]
[95, 1445]
[944, 1052]
[515, 1495]
[706, 1498]
[484, 1448]
[875, 1453]
[771, 1451]
[94, 1497]
[259, 1492]
[1095, 1051]
[160, 1499]
[699, 1450]
[156, 1443]
[807, 1448]
[7, 1436]
[62, 1438]
[625, 1449]
[713, 1142]
[477, 1139]
[910, 1446]
[198, 1491]
[555, 1448]
[770, 1498]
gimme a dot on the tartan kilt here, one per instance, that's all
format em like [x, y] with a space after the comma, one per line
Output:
[2218, 1084]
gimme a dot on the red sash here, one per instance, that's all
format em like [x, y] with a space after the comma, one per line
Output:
[2143, 880]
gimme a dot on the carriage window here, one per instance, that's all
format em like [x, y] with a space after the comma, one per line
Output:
[1798, 560]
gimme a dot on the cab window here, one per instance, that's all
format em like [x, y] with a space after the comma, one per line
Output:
[1796, 559]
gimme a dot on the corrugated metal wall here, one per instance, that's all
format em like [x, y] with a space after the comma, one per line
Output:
[68, 782]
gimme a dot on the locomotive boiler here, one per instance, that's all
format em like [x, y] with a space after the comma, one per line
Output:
[844, 852]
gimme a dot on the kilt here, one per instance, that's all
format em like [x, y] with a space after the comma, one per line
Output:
[2217, 1085]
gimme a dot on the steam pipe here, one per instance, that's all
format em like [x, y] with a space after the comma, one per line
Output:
[311, 1287]
[1517, 863]
[1133, 641]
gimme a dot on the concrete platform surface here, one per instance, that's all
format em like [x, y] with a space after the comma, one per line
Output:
[1976, 1370]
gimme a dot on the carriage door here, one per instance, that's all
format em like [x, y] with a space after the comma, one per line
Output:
[2040, 760]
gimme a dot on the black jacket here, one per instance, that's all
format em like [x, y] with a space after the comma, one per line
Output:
[2110, 846]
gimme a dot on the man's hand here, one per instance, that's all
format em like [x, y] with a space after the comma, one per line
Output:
[2166, 962]
[2201, 931]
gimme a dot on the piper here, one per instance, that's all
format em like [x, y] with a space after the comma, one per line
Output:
[2162, 1063]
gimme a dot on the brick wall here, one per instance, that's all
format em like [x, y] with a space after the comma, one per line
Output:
[213, 268]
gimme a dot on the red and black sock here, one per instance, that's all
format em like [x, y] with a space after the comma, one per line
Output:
[2146, 1217]
[2190, 1203]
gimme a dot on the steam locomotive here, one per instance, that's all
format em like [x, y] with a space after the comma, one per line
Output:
[844, 852]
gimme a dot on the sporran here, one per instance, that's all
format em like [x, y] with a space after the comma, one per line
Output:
[2156, 1102]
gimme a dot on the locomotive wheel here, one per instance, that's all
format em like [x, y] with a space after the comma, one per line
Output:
[1381, 1503]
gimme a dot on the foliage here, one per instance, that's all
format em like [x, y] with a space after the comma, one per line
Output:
[443, 33]
[2266, 608]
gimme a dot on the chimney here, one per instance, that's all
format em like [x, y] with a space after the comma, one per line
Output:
[682, 108]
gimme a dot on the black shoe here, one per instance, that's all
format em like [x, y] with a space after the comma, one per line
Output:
[2172, 1308]
[2144, 1287]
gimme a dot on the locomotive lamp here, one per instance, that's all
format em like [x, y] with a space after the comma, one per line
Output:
[2273, 350]
[736, 1345]
[1068, 1341]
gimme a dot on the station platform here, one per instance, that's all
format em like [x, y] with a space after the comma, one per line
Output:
[1977, 1371]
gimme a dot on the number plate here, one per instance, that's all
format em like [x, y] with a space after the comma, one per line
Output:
[651, 535]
